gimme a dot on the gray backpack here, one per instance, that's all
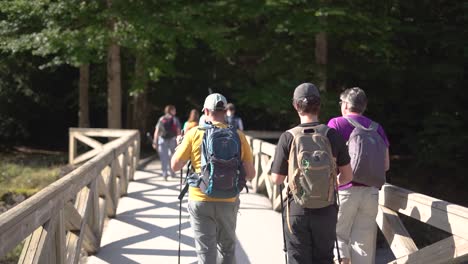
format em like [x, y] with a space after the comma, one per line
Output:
[312, 167]
[367, 150]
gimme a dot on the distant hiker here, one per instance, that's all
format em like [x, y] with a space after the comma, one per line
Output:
[368, 147]
[308, 156]
[192, 120]
[164, 139]
[222, 161]
[231, 117]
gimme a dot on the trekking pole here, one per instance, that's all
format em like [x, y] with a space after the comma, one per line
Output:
[180, 212]
[336, 237]
[181, 197]
[282, 224]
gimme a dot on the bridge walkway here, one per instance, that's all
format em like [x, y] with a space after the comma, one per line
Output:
[145, 229]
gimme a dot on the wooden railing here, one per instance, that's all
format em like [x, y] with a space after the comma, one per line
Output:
[443, 215]
[68, 216]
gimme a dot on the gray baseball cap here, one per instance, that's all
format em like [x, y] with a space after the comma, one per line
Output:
[305, 90]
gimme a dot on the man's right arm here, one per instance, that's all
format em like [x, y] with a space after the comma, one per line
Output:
[346, 174]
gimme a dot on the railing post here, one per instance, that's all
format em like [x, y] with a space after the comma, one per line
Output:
[71, 147]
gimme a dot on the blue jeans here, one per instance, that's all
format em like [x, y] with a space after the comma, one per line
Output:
[214, 225]
[166, 148]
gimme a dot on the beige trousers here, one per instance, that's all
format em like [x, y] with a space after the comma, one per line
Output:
[356, 228]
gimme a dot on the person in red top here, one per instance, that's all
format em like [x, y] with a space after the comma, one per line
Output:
[164, 139]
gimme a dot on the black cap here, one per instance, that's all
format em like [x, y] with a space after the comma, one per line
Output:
[305, 90]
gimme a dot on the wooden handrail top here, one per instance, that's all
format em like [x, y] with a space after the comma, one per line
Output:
[102, 132]
[23, 219]
[444, 215]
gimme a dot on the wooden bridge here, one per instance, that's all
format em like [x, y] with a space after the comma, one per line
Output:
[114, 208]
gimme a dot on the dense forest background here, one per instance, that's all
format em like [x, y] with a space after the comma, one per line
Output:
[117, 63]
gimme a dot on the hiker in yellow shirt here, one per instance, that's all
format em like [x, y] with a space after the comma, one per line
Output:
[213, 218]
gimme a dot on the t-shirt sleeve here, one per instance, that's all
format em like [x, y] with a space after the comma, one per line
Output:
[339, 147]
[158, 123]
[332, 123]
[246, 151]
[280, 161]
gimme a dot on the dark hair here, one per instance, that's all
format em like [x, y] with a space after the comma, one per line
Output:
[231, 107]
[309, 105]
[168, 109]
[356, 98]
[194, 116]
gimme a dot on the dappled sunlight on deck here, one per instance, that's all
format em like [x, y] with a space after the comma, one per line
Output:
[145, 229]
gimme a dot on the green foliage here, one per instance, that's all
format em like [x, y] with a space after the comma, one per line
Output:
[71, 32]
[12, 257]
[28, 173]
[409, 56]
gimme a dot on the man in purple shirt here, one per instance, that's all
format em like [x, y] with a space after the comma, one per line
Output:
[356, 228]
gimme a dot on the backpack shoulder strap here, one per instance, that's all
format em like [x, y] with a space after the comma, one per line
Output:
[373, 126]
[353, 122]
[295, 130]
[322, 129]
[356, 124]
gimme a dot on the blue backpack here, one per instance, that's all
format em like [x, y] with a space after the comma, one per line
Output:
[222, 173]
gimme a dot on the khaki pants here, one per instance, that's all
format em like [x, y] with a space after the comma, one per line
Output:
[214, 225]
[356, 228]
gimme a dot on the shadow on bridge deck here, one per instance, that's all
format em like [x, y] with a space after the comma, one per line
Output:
[145, 229]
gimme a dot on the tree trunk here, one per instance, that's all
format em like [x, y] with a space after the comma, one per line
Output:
[83, 112]
[140, 113]
[139, 99]
[321, 59]
[114, 87]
